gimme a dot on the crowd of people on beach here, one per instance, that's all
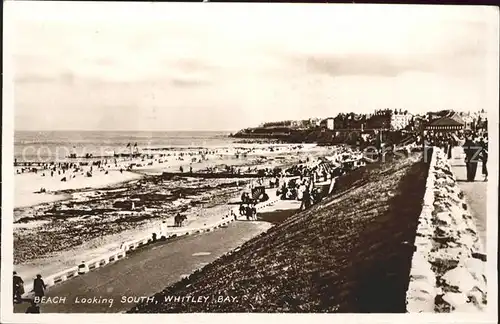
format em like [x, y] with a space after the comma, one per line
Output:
[304, 189]
[88, 166]
[307, 182]
[66, 170]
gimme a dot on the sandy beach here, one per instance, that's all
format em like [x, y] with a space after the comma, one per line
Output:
[154, 161]
[27, 184]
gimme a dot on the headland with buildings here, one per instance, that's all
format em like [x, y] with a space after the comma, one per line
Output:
[349, 128]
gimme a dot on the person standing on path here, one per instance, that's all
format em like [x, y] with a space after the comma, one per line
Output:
[18, 284]
[254, 212]
[484, 158]
[471, 158]
[39, 286]
[449, 147]
[248, 212]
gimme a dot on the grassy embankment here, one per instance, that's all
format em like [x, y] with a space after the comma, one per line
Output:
[351, 253]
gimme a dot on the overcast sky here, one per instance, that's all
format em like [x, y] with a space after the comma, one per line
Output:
[164, 66]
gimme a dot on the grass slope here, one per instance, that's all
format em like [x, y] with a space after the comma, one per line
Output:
[351, 253]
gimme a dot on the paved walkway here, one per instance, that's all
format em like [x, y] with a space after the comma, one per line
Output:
[475, 193]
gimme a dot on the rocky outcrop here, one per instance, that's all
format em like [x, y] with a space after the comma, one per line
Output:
[447, 274]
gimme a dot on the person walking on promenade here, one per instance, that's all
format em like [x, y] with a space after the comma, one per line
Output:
[449, 146]
[18, 285]
[306, 199]
[248, 212]
[471, 158]
[254, 212]
[484, 158]
[39, 286]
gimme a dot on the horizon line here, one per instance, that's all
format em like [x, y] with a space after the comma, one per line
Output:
[121, 130]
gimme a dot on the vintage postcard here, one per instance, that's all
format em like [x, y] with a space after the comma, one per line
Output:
[203, 161]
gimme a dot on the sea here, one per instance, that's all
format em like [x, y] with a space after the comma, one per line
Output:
[58, 145]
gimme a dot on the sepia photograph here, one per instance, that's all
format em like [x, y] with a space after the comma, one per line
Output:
[187, 158]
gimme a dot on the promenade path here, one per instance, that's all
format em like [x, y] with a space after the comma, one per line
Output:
[475, 192]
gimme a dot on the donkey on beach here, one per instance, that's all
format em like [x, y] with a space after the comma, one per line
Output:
[179, 219]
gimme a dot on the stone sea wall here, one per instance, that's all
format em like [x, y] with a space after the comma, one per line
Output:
[447, 274]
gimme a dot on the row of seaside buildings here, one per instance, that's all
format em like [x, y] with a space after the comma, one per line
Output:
[390, 119]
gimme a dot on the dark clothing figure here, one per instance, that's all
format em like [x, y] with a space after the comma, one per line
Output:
[449, 148]
[18, 285]
[485, 168]
[39, 287]
[484, 157]
[284, 192]
[306, 200]
[471, 158]
[248, 212]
